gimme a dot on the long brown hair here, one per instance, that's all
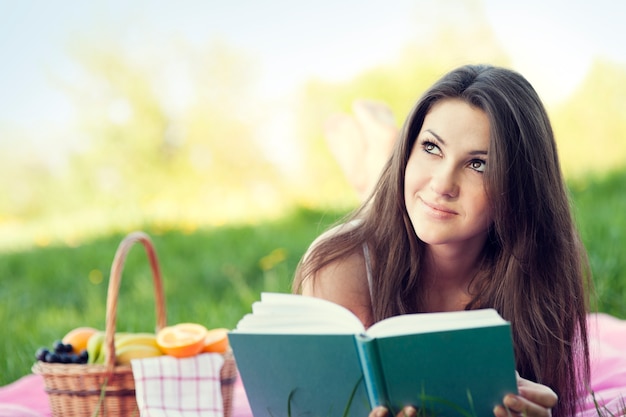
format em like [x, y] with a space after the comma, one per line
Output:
[534, 268]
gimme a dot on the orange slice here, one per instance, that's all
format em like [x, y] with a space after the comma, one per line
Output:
[182, 340]
[216, 341]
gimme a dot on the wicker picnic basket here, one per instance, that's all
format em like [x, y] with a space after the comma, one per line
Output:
[108, 389]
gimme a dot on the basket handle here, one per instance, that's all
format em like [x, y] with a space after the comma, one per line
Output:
[114, 287]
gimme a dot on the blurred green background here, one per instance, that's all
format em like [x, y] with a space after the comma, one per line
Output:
[234, 184]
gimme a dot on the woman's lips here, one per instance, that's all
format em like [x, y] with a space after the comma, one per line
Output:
[438, 210]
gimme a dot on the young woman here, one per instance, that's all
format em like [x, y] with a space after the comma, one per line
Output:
[471, 211]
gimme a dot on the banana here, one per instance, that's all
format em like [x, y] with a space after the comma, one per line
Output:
[94, 346]
[100, 359]
[129, 339]
[127, 346]
[129, 352]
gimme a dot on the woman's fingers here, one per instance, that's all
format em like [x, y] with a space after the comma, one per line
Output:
[519, 405]
[534, 400]
[537, 393]
[380, 411]
[408, 411]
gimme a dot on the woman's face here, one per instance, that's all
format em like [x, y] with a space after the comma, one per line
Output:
[444, 187]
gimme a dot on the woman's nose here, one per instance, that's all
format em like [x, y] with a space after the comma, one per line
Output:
[444, 181]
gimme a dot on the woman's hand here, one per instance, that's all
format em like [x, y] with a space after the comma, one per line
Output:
[534, 400]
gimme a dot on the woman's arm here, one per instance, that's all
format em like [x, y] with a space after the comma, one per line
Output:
[343, 282]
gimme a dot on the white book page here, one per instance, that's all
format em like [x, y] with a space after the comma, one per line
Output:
[298, 314]
[432, 322]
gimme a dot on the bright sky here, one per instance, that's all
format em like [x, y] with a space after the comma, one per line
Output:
[551, 42]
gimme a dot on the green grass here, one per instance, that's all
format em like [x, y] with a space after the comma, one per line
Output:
[211, 276]
[600, 210]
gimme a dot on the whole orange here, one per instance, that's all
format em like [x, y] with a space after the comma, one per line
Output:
[78, 338]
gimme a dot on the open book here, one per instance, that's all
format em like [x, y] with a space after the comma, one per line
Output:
[302, 356]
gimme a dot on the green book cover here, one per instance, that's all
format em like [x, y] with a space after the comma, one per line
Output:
[463, 372]
[301, 356]
[301, 375]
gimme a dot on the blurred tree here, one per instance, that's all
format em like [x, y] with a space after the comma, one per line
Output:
[24, 176]
[590, 126]
[149, 156]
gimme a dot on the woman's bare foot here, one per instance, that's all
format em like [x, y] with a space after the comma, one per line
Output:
[362, 143]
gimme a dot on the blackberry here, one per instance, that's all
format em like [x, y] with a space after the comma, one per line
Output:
[53, 357]
[83, 356]
[41, 354]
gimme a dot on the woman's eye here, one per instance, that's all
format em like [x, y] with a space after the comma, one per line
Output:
[431, 148]
[478, 165]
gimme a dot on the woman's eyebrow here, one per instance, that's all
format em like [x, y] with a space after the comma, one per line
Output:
[443, 142]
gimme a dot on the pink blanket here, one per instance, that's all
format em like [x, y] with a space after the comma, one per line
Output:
[607, 340]
[607, 335]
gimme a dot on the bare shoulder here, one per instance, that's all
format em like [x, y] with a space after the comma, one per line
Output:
[334, 231]
[344, 282]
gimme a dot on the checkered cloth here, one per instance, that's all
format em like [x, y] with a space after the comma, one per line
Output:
[171, 387]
